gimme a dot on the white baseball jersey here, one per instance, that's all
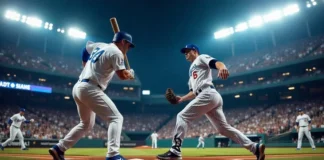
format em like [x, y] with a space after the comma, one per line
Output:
[200, 74]
[17, 119]
[154, 136]
[201, 139]
[104, 60]
[303, 120]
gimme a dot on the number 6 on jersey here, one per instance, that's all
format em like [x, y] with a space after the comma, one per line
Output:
[194, 74]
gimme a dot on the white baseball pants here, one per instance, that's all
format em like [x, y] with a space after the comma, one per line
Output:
[14, 131]
[202, 143]
[91, 100]
[301, 132]
[154, 143]
[210, 103]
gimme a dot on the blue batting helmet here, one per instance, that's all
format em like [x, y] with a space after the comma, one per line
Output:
[189, 46]
[300, 110]
[22, 109]
[119, 36]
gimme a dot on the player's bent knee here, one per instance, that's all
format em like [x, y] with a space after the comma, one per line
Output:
[120, 118]
[87, 125]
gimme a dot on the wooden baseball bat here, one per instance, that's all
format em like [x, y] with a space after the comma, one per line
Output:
[116, 29]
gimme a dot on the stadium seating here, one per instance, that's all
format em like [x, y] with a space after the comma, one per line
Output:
[272, 120]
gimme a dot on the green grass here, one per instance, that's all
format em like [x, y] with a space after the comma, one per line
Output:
[15, 158]
[185, 152]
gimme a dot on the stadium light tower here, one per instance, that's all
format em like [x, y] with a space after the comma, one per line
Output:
[241, 27]
[273, 16]
[292, 9]
[34, 22]
[223, 33]
[23, 19]
[12, 15]
[256, 21]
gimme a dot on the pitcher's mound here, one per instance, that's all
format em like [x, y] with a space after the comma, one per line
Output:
[143, 147]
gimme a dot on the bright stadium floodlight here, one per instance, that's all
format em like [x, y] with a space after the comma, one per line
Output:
[223, 33]
[23, 19]
[241, 27]
[12, 15]
[46, 25]
[34, 22]
[273, 16]
[308, 5]
[292, 9]
[58, 30]
[73, 32]
[50, 26]
[8, 14]
[62, 31]
[256, 21]
[314, 3]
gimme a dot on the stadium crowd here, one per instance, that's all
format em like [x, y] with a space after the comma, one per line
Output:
[300, 49]
[143, 122]
[52, 123]
[272, 120]
[238, 64]
[33, 60]
[275, 79]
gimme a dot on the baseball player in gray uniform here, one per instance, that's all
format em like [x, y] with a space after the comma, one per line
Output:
[15, 123]
[303, 126]
[101, 61]
[201, 142]
[206, 101]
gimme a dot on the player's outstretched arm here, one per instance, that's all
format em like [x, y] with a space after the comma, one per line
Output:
[222, 70]
[187, 97]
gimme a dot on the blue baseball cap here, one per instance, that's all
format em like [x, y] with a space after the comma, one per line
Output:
[189, 46]
[300, 110]
[22, 109]
[119, 36]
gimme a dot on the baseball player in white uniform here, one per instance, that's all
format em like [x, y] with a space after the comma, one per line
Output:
[201, 142]
[101, 61]
[303, 126]
[15, 123]
[206, 101]
[154, 137]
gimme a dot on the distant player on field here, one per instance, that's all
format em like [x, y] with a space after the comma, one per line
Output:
[15, 123]
[303, 126]
[201, 142]
[154, 138]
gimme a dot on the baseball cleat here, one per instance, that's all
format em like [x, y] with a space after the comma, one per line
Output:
[24, 149]
[118, 157]
[260, 151]
[56, 153]
[168, 156]
[313, 148]
[1, 147]
[297, 149]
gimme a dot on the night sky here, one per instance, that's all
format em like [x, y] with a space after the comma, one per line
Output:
[161, 27]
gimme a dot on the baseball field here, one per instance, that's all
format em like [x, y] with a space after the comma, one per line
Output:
[149, 154]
